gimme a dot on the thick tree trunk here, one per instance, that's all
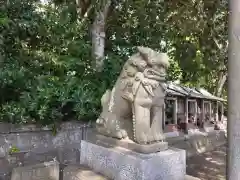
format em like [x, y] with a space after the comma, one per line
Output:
[98, 36]
[221, 81]
[233, 121]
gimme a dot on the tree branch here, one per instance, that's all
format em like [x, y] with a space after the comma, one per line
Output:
[83, 6]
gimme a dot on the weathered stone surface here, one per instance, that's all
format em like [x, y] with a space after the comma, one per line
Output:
[81, 173]
[122, 164]
[40, 156]
[130, 145]
[5, 169]
[199, 143]
[134, 107]
[16, 159]
[69, 155]
[208, 127]
[43, 171]
[31, 137]
[191, 178]
[5, 127]
[5, 176]
[63, 155]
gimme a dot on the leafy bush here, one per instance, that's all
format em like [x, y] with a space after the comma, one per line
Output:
[45, 72]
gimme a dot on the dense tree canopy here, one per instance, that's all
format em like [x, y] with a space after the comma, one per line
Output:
[47, 51]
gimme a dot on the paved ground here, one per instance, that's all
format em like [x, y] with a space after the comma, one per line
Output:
[209, 165]
[82, 173]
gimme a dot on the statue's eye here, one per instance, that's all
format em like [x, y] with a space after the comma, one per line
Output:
[153, 61]
[161, 66]
[143, 64]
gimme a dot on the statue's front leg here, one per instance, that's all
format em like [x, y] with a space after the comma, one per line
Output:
[156, 128]
[148, 124]
[141, 116]
[141, 125]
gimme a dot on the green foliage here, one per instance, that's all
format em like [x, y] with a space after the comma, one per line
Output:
[45, 53]
[45, 72]
[14, 149]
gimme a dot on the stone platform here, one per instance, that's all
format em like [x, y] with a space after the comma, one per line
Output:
[129, 144]
[123, 164]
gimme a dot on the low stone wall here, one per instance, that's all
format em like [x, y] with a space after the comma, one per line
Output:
[199, 143]
[39, 145]
[31, 137]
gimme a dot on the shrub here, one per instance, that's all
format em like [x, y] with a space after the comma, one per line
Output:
[46, 75]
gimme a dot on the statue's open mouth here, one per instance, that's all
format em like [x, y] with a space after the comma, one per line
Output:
[153, 74]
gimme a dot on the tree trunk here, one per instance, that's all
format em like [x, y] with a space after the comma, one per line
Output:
[233, 121]
[221, 82]
[98, 36]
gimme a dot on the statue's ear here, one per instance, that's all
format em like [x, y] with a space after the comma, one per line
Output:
[144, 52]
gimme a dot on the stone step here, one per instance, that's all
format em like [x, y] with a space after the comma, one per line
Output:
[82, 173]
[191, 178]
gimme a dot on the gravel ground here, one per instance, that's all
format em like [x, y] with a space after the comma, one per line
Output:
[209, 165]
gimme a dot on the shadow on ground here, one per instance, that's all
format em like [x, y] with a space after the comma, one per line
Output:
[209, 165]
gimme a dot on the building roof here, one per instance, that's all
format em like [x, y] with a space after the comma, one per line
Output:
[193, 93]
[174, 93]
[180, 90]
[175, 89]
[209, 95]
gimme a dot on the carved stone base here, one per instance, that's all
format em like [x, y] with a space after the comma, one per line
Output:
[129, 144]
[123, 164]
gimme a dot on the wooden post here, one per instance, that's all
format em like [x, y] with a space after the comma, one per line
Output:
[222, 111]
[216, 113]
[195, 113]
[175, 111]
[186, 110]
[233, 135]
[186, 115]
[203, 112]
[210, 111]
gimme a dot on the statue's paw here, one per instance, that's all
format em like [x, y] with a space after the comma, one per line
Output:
[121, 134]
[142, 138]
[155, 137]
[160, 137]
[100, 121]
[150, 138]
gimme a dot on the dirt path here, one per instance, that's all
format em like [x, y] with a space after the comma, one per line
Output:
[208, 166]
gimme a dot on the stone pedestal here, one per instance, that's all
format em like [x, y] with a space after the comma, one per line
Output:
[123, 164]
[129, 144]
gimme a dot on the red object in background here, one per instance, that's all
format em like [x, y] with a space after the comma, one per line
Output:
[172, 127]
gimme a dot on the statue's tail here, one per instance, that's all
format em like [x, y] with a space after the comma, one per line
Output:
[104, 102]
[105, 99]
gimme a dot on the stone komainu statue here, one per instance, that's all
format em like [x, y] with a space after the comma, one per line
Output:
[134, 107]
